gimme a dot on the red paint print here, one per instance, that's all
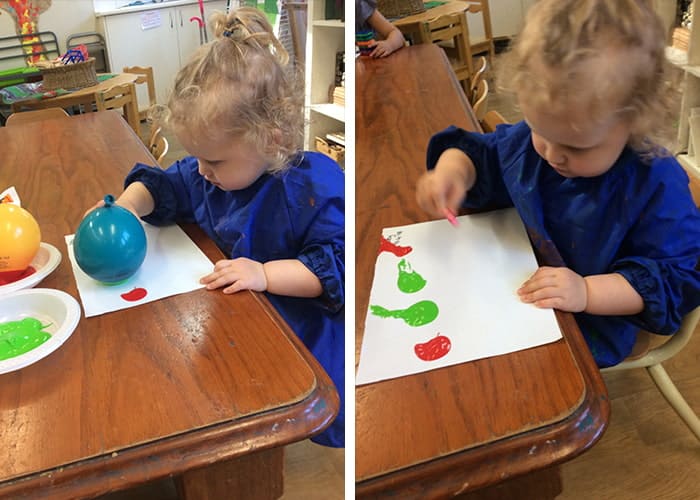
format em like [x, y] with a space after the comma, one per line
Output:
[134, 295]
[7, 277]
[433, 349]
[387, 246]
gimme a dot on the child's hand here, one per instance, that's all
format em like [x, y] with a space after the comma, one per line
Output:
[381, 49]
[240, 273]
[441, 188]
[555, 287]
[121, 203]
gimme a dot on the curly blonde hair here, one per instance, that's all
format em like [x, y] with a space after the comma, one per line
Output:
[603, 55]
[240, 85]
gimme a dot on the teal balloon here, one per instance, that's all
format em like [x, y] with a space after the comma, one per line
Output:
[110, 243]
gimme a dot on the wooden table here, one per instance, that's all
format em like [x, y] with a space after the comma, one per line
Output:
[204, 386]
[460, 428]
[85, 97]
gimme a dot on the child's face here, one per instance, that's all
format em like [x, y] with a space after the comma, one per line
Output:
[574, 145]
[229, 164]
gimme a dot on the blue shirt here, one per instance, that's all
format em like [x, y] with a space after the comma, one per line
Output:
[637, 219]
[296, 214]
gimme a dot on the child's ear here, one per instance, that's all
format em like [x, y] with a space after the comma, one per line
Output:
[277, 136]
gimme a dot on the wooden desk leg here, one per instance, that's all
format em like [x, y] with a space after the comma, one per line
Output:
[258, 476]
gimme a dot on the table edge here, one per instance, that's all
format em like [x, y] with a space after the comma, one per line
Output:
[525, 452]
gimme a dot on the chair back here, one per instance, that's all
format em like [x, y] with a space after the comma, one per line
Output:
[145, 76]
[479, 99]
[491, 120]
[297, 15]
[158, 144]
[478, 75]
[19, 52]
[121, 97]
[35, 116]
[483, 43]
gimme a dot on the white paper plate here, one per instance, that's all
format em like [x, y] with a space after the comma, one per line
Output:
[53, 307]
[45, 261]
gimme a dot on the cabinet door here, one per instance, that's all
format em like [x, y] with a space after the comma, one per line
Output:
[147, 38]
[188, 31]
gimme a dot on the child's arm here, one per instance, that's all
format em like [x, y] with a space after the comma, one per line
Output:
[393, 38]
[136, 198]
[288, 277]
[563, 289]
[447, 184]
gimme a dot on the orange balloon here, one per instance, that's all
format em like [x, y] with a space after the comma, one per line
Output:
[20, 237]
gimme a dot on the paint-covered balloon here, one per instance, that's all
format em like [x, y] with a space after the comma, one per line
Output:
[19, 240]
[110, 243]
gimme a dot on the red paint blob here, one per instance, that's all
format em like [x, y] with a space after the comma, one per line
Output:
[433, 349]
[134, 295]
[387, 246]
[8, 277]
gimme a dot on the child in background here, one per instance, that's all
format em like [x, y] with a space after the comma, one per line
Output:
[368, 19]
[585, 173]
[277, 212]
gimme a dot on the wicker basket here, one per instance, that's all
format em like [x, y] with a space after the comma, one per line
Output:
[400, 8]
[68, 76]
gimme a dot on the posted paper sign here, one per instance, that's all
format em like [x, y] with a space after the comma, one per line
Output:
[444, 295]
[173, 265]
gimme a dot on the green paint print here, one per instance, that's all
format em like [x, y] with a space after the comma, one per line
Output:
[18, 337]
[420, 313]
[409, 280]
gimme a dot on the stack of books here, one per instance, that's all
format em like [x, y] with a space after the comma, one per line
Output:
[680, 38]
[339, 96]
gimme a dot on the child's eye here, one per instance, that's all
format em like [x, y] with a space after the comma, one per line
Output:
[576, 150]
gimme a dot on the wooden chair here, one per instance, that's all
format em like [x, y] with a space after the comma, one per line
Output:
[158, 144]
[491, 120]
[651, 359]
[145, 76]
[35, 116]
[121, 97]
[478, 75]
[481, 44]
[479, 99]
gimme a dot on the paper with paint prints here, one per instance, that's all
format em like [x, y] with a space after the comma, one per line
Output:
[444, 295]
[173, 265]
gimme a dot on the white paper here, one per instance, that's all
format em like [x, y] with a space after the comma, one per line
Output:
[150, 20]
[472, 273]
[173, 265]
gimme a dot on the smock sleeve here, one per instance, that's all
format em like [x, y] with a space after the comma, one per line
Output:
[489, 190]
[170, 189]
[318, 212]
[662, 254]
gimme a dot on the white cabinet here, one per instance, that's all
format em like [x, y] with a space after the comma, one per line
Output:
[163, 38]
[324, 39]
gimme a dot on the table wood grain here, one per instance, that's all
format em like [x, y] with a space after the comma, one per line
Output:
[464, 427]
[154, 390]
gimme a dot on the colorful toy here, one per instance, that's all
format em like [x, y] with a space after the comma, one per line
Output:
[20, 237]
[110, 243]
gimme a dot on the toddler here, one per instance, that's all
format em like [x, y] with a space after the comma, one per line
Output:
[277, 212]
[367, 19]
[585, 172]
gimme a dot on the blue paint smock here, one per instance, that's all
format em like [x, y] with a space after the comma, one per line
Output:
[637, 219]
[296, 214]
